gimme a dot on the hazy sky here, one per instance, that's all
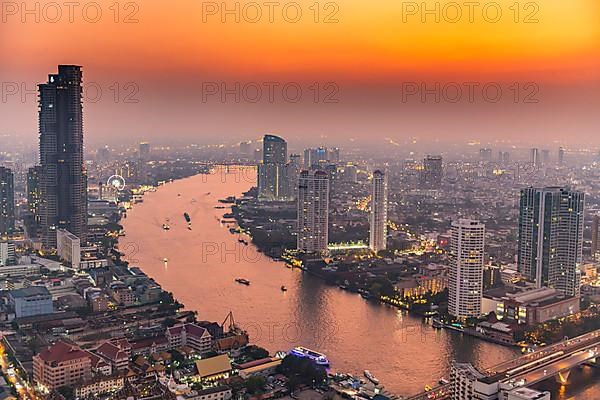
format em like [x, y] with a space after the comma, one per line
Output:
[369, 70]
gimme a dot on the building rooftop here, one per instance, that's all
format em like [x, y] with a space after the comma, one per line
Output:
[30, 291]
[213, 366]
[62, 351]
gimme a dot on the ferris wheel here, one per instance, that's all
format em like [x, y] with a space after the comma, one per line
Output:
[116, 181]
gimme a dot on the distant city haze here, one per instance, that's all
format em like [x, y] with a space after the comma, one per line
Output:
[156, 70]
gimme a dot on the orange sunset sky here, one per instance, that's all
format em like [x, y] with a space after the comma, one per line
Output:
[369, 50]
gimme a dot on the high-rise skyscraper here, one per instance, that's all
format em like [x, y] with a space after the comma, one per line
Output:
[293, 171]
[313, 211]
[378, 219]
[545, 157]
[316, 158]
[596, 237]
[534, 158]
[561, 156]
[34, 193]
[431, 175]
[272, 179]
[465, 283]
[64, 181]
[144, 151]
[333, 155]
[551, 237]
[7, 201]
[504, 158]
[485, 154]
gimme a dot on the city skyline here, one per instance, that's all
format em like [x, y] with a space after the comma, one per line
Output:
[300, 200]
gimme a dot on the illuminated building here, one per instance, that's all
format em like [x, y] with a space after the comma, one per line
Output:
[378, 217]
[432, 172]
[7, 201]
[465, 283]
[272, 176]
[596, 237]
[61, 364]
[64, 182]
[551, 237]
[34, 194]
[313, 211]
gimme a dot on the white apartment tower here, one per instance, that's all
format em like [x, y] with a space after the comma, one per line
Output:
[465, 283]
[313, 211]
[378, 218]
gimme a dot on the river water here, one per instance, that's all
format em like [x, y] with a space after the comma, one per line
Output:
[202, 264]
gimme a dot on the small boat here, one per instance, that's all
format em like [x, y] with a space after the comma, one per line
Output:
[283, 288]
[243, 281]
[443, 381]
[370, 377]
[437, 323]
[187, 217]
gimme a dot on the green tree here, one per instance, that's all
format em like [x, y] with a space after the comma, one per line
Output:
[255, 384]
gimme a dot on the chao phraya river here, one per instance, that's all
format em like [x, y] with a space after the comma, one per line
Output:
[203, 263]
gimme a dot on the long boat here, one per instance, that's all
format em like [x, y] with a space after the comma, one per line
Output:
[317, 357]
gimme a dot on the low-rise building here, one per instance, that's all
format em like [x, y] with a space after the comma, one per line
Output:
[122, 294]
[213, 393]
[31, 301]
[214, 368]
[529, 306]
[263, 367]
[100, 385]
[61, 364]
[115, 354]
[19, 270]
[192, 335]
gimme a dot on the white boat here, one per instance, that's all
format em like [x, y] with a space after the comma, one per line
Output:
[370, 377]
[317, 357]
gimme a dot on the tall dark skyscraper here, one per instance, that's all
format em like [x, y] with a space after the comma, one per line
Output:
[144, 150]
[63, 179]
[431, 175]
[7, 201]
[551, 237]
[272, 176]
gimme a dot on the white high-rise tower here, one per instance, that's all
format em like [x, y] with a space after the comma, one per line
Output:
[465, 284]
[378, 219]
